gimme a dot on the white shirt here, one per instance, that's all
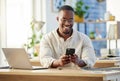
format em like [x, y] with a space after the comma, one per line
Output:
[52, 46]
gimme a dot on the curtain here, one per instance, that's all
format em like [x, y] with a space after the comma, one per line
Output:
[2, 30]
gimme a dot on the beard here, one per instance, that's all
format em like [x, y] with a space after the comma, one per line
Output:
[67, 30]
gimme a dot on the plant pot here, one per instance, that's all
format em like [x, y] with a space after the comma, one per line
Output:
[36, 50]
[78, 19]
[92, 35]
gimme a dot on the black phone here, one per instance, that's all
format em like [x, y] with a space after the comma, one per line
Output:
[70, 51]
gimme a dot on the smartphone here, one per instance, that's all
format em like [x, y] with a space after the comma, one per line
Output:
[70, 51]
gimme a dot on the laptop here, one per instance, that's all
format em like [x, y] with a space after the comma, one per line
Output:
[17, 58]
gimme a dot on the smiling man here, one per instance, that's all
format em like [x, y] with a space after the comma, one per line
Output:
[54, 44]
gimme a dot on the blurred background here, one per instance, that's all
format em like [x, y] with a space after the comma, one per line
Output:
[24, 22]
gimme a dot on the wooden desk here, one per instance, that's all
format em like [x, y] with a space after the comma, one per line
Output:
[35, 61]
[107, 63]
[98, 64]
[57, 75]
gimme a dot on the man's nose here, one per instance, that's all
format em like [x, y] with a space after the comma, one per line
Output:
[67, 23]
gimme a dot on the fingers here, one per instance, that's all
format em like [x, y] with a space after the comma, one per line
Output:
[64, 60]
[73, 58]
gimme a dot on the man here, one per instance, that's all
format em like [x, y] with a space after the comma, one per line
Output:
[54, 44]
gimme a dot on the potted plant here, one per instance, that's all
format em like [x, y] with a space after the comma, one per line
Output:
[80, 11]
[92, 35]
[34, 39]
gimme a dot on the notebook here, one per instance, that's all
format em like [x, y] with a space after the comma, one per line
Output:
[17, 58]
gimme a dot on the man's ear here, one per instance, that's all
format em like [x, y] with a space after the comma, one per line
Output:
[57, 18]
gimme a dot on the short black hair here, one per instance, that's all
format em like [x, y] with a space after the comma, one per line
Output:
[66, 7]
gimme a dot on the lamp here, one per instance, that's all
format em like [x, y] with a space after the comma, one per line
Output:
[37, 24]
[113, 35]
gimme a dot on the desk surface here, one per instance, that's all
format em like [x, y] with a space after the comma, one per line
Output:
[107, 63]
[57, 75]
[35, 61]
[98, 64]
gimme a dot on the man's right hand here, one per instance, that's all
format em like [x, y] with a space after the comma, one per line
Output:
[64, 59]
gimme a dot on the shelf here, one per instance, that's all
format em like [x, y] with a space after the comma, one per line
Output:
[97, 21]
[98, 27]
[103, 39]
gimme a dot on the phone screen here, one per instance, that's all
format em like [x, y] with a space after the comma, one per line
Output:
[70, 51]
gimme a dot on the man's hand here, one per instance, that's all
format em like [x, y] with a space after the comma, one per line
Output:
[74, 58]
[64, 59]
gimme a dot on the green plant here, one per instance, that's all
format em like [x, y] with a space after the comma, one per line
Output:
[92, 35]
[64, 0]
[81, 8]
[34, 40]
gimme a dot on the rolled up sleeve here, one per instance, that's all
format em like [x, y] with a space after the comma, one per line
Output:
[45, 54]
[88, 54]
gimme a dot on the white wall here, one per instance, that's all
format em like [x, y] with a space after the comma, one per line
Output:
[114, 7]
[51, 22]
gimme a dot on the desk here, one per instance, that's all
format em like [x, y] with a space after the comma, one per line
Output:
[98, 64]
[35, 61]
[107, 63]
[58, 75]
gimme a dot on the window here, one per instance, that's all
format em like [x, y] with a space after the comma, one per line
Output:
[19, 14]
[15, 17]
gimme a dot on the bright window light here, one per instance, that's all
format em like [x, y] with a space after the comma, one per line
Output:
[18, 21]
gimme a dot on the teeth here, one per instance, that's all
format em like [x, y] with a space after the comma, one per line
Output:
[67, 28]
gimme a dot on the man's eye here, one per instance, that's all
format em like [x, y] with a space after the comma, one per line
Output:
[64, 20]
[70, 20]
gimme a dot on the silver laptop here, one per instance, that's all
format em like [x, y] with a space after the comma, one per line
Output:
[18, 58]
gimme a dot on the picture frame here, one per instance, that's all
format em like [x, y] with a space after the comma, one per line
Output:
[56, 4]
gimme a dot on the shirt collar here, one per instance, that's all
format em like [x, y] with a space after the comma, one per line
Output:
[73, 33]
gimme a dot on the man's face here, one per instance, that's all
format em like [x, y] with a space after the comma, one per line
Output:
[65, 20]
